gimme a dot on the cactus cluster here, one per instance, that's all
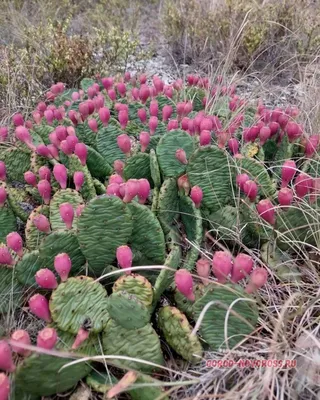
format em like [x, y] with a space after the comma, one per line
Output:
[126, 173]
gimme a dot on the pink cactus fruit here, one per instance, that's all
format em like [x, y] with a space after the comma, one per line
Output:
[46, 279]
[41, 222]
[22, 337]
[61, 175]
[61, 132]
[124, 143]
[205, 138]
[303, 184]
[144, 190]
[181, 156]
[123, 118]
[242, 266]
[79, 209]
[39, 306]
[78, 179]
[49, 116]
[43, 151]
[54, 139]
[30, 178]
[72, 141]
[62, 265]
[285, 196]
[118, 166]
[184, 184]
[142, 114]
[131, 190]
[196, 195]
[113, 189]
[288, 171]
[66, 148]
[250, 188]
[221, 265]
[18, 119]
[241, 180]
[5, 256]
[153, 124]
[167, 112]
[45, 173]
[312, 145]
[15, 243]
[104, 115]
[233, 145]
[203, 270]
[81, 152]
[135, 93]
[266, 211]
[82, 335]
[172, 124]
[184, 283]
[74, 116]
[67, 214]
[93, 125]
[6, 361]
[3, 171]
[3, 134]
[84, 110]
[44, 189]
[154, 108]
[144, 93]
[144, 141]
[124, 258]
[112, 94]
[293, 130]
[24, 136]
[3, 196]
[121, 87]
[107, 83]
[115, 178]
[257, 279]
[4, 387]
[47, 338]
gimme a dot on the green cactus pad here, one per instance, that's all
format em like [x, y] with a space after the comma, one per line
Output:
[137, 167]
[147, 240]
[99, 168]
[63, 196]
[87, 191]
[104, 225]
[37, 162]
[154, 140]
[17, 160]
[8, 222]
[168, 203]
[154, 169]
[107, 144]
[258, 173]
[99, 187]
[134, 128]
[43, 131]
[185, 305]
[41, 374]
[196, 95]
[78, 300]
[177, 332]
[166, 277]
[27, 267]
[61, 241]
[86, 135]
[241, 321]
[209, 169]
[33, 235]
[192, 221]
[11, 292]
[137, 285]
[14, 204]
[166, 152]
[101, 382]
[86, 83]
[143, 344]
[127, 310]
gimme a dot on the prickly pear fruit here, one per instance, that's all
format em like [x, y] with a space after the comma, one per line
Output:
[82, 335]
[3, 171]
[47, 338]
[144, 190]
[221, 265]
[172, 124]
[257, 279]
[67, 214]
[24, 136]
[250, 188]
[183, 183]
[45, 173]
[205, 138]
[144, 141]
[42, 223]
[124, 258]
[184, 283]
[123, 118]
[118, 166]
[115, 178]
[30, 178]
[43, 151]
[78, 179]
[44, 189]
[131, 190]
[60, 174]
[6, 362]
[46, 279]
[104, 115]
[18, 119]
[62, 264]
[196, 195]
[81, 152]
[15, 243]
[3, 196]
[20, 336]
[266, 211]
[124, 143]
[5, 256]
[303, 184]
[285, 196]
[242, 266]
[79, 209]
[166, 112]
[181, 156]
[4, 387]
[233, 145]
[113, 189]
[142, 114]
[153, 124]
[287, 172]
[203, 270]
[39, 306]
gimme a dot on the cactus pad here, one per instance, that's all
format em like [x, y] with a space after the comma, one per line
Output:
[11, 292]
[27, 267]
[8, 222]
[43, 131]
[87, 191]
[97, 165]
[104, 225]
[137, 167]
[127, 310]
[185, 305]
[177, 332]
[33, 235]
[154, 169]
[137, 285]
[209, 169]
[63, 196]
[242, 318]
[17, 160]
[107, 144]
[143, 344]
[166, 152]
[85, 134]
[77, 301]
[168, 203]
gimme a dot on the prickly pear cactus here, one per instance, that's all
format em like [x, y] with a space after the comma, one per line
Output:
[63, 196]
[136, 285]
[8, 222]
